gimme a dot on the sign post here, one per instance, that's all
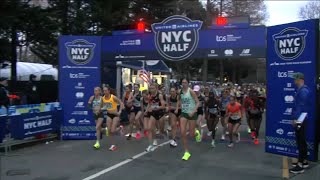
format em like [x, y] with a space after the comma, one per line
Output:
[292, 48]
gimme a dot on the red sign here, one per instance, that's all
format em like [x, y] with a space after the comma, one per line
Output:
[221, 21]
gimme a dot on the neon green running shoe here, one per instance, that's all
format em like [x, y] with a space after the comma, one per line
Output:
[96, 145]
[249, 130]
[186, 156]
[198, 136]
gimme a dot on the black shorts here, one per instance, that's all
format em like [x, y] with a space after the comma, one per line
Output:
[111, 116]
[222, 113]
[254, 116]
[179, 112]
[135, 110]
[233, 122]
[156, 114]
[213, 116]
[200, 111]
[97, 116]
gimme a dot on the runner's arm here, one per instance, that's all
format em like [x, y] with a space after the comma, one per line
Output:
[163, 103]
[119, 102]
[131, 97]
[90, 102]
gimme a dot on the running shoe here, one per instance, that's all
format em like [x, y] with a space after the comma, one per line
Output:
[113, 148]
[227, 132]
[96, 145]
[213, 144]
[198, 136]
[256, 141]
[223, 137]
[157, 132]
[169, 128]
[107, 131]
[186, 156]
[209, 133]
[304, 165]
[155, 142]
[253, 134]
[231, 145]
[138, 136]
[297, 170]
[249, 130]
[238, 138]
[173, 143]
[129, 137]
[150, 148]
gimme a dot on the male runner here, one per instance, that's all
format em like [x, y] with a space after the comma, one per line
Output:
[94, 103]
[189, 107]
[135, 113]
[109, 107]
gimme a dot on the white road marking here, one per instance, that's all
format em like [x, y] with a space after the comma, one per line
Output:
[122, 163]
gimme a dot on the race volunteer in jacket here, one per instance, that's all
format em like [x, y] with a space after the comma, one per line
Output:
[302, 105]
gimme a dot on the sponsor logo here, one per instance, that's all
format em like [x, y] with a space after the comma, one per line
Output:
[289, 87]
[78, 76]
[228, 38]
[79, 95]
[288, 112]
[289, 99]
[79, 113]
[79, 86]
[212, 53]
[285, 74]
[291, 134]
[80, 51]
[72, 121]
[228, 52]
[290, 43]
[245, 52]
[84, 121]
[136, 42]
[176, 37]
[280, 131]
[80, 105]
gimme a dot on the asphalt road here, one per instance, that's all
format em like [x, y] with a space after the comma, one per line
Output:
[77, 160]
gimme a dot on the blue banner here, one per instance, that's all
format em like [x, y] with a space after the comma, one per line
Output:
[79, 73]
[175, 40]
[292, 48]
[31, 124]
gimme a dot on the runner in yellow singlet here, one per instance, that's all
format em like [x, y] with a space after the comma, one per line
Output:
[109, 107]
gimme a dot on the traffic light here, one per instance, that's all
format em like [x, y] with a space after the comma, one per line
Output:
[141, 26]
[221, 21]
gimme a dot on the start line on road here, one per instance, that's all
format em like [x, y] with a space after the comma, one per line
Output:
[122, 163]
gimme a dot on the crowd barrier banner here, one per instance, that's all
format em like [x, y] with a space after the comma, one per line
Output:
[79, 74]
[291, 48]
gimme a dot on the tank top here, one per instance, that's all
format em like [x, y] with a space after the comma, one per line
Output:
[145, 104]
[109, 104]
[187, 102]
[173, 101]
[224, 103]
[212, 104]
[235, 111]
[137, 100]
[96, 103]
[155, 101]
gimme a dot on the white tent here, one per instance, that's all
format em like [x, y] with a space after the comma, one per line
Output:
[24, 70]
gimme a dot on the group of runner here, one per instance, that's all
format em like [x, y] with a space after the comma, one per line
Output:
[183, 108]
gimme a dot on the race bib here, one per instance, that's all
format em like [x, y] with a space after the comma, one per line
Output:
[213, 110]
[155, 105]
[235, 117]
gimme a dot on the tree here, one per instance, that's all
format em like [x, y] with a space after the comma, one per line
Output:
[310, 11]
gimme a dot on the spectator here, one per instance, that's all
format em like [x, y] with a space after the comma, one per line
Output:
[4, 98]
[32, 91]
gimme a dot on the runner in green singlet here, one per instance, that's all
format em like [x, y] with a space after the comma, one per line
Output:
[189, 106]
[94, 103]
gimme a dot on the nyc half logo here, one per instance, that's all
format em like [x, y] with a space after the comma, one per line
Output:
[80, 51]
[290, 43]
[176, 37]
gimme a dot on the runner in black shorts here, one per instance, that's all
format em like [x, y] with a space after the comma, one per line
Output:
[174, 113]
[144, 106]
[212, 115]
[234, 115]
[225, 99]
[94, 103]
[135, 112]
[200, 112]
[155, 112]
